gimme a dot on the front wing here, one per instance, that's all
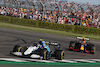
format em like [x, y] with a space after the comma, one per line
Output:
[30, 56]
[82, 49]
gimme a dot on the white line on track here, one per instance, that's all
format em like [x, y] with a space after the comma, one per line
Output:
[96, 60]
[82, 60]
[36, 60]
[52, 60]
[67, 61]
[11, 59]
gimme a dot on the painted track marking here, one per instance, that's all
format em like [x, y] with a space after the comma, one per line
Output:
[52, 60]
[11, 59]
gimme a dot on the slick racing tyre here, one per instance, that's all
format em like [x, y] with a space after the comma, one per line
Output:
[17, 48]
[59, 54]
[93, 50]
[90, 48]
[23, 50]
[71, 45]
[77, 46]
[43, 54]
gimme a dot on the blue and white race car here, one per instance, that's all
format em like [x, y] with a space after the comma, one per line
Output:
[43, 50]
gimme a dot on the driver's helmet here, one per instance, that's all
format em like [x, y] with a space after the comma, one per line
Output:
[41, 41]
[83, 39]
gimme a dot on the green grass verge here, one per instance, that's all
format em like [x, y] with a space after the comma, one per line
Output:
[47, 64]
[42, 30]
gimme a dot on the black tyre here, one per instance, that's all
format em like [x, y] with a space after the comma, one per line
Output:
[23, 50]
[90, 48]
[77, 46]
[43, 54]
[72, 44]
[17, 48]
[59, 54]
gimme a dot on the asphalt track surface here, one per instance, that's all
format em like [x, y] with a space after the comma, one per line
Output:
[11, 37]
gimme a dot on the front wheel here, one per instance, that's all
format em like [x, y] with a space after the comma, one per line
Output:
[59, 54]
[23, 50]
[71, 45]
[92, 51]
[90, 48]
[17, 48]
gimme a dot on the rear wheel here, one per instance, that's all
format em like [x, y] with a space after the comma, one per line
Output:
[43, 54]
[59, 54]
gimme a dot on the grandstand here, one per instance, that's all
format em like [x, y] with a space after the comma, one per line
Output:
[48, 5]
[57, 11]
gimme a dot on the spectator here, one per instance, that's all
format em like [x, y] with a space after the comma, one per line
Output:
[62, 12]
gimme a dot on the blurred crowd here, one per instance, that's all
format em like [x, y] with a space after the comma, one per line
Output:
[64, 12]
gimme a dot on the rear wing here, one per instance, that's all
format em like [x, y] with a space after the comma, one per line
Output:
[53, 43]
[82, 38]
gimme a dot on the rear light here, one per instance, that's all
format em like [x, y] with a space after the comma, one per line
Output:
[92, 50]
[71, 47]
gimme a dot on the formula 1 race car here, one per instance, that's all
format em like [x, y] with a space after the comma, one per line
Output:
[82, 45]
[37, 51]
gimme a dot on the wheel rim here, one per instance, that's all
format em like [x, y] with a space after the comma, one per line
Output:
[45, 55]
[19, 49]
[62, 55]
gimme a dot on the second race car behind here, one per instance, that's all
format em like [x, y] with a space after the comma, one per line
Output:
[82, 45]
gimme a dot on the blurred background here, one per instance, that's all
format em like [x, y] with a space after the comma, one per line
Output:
[71, 12]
